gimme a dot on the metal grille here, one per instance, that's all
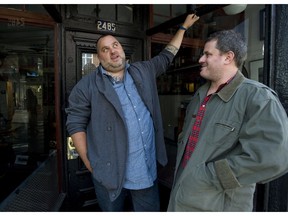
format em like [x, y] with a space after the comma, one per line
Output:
[39, 192]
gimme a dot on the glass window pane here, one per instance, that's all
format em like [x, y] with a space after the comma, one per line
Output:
[89, 63]
[159, 19]
[183, 77]
[12, 6]
[125, 13]
[88, 10]
[163, 10]
[178, 10]
[38, 8]
[107, 12]
[27, 102]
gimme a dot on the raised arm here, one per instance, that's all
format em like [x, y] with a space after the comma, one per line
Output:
[176, 41]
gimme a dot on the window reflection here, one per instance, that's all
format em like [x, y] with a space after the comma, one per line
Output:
[38, 8]
[183, 77]
[125, 13]
[109, 12]
[27, 121]
[245, 19]
[89, 63]
[88, 10]
[163, 13]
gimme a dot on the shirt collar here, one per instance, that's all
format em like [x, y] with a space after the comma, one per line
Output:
[112, 79]
[224, 84]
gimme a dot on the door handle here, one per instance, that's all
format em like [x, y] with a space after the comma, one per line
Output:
[71, 150]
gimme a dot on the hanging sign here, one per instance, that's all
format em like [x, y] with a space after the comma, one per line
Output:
[106, 26]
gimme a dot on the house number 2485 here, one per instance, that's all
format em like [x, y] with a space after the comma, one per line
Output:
[106, 26]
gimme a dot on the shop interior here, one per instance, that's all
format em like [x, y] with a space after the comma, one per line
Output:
[27, 120]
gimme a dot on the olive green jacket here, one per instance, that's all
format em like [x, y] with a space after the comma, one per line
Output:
[243, 141]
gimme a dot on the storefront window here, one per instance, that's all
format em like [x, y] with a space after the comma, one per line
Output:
[88, 10]
[125, 13]
[176, 87]
[162, 13]
[38, 8]
[27, 102]
[108, 12]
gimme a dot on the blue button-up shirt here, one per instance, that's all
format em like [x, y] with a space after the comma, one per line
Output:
[141, 160]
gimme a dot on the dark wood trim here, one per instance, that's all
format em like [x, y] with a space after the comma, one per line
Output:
[54, 13]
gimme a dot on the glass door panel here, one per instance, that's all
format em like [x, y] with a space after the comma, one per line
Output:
[89, 62]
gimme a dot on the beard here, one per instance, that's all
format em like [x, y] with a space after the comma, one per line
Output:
[114, 66]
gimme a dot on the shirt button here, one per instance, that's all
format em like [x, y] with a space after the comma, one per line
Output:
[108, 163]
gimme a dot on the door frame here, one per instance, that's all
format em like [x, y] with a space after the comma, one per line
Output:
[78, 181]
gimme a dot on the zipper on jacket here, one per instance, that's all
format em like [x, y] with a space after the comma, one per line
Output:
[226, 126]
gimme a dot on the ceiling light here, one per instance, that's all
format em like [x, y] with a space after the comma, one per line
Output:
[234, 9]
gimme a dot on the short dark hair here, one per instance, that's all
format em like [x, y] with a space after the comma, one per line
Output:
[230, 40]
[102, 36]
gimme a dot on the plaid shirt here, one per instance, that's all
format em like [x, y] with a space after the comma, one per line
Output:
[193, 138]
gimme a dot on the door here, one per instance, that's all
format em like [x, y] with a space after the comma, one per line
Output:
[81, 58]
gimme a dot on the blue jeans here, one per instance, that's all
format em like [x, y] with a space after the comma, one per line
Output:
[143, 200]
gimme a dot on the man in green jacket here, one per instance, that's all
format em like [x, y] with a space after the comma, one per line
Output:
[234, 134]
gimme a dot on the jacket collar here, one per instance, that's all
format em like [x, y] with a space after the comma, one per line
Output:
[228, 91]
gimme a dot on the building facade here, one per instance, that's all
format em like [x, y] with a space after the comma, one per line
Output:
[47, 49]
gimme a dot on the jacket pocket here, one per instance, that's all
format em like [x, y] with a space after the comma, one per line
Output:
[239, 199]
[197, 191]
[224, 132]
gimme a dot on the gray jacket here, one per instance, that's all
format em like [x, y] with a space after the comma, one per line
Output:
[243, 141]
[94, 108]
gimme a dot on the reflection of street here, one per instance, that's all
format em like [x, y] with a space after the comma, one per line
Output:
[18, 141]
[13, 142]
[32, 103]
[88, 68]
[22, 139]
